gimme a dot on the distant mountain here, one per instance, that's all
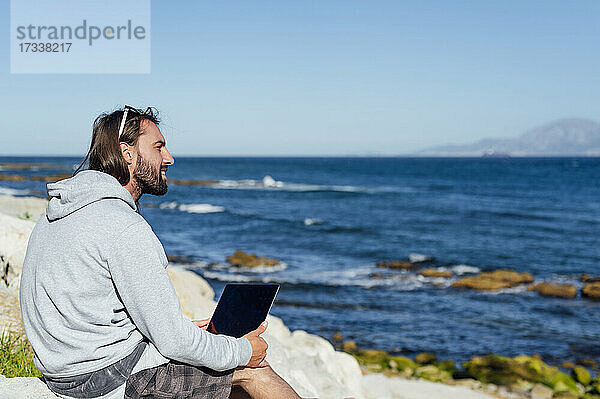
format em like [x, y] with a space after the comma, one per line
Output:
[559, 138]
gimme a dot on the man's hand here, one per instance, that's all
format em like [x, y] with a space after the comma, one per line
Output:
[259, 347]
[203, 324]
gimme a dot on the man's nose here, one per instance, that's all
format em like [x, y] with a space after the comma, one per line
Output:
[168, 160]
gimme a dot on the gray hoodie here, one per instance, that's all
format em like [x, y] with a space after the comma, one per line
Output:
[94, 284]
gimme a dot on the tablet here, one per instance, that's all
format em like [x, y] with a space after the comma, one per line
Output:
[241, 308]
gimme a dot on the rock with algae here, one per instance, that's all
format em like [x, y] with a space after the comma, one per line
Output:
[243, 259]
[582, 375]
[591, 290]
[508, 371]
[553, 289]
[490, 281]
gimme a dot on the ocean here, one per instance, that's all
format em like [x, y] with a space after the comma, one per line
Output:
[331, 219]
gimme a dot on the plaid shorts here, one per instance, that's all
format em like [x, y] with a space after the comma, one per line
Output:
[176, 380]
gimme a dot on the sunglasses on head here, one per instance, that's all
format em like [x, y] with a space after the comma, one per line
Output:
[125, 112]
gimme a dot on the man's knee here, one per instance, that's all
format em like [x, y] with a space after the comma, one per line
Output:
[247, 374]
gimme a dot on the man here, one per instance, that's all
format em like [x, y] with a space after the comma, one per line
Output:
[97, 303]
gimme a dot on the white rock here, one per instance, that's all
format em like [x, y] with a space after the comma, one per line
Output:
[469, 383]
[194, 293]
[421, 389]
[10, 311]
[350, 373]
[540, 391]
[491, 388]
[24, 388]
[14, 236]
[30, 208]
[376, 386]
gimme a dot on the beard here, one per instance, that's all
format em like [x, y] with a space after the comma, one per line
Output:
[148, 179]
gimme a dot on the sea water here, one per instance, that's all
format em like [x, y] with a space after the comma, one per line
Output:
[329, 220]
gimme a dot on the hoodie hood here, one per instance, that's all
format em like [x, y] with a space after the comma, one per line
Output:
[70, 195]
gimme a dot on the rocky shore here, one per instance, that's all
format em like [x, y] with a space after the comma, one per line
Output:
[311, 364]
[519, 377]
[498, 280]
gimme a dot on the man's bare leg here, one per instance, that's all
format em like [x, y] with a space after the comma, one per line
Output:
[262, 383]
[237, 392]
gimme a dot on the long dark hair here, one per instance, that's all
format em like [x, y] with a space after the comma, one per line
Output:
[104, 154]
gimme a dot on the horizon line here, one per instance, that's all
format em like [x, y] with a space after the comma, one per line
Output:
[326, 156]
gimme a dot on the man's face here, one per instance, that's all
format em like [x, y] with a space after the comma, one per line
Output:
[152, 162]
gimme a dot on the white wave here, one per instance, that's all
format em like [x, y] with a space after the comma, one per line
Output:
[417, 258]
[169, 205]
[258, 269]
[398, 282]
[201, 208]
[349, 189]
[362, 277]
[464, 269]
[519, 289]
[12, 191]
[248, 183]
[459, 270]
[332, 275]
[192, 208]
[563, 279]
[317, 187]
[219, 266]
[227, 277]
[268, 181]
[358, 277]
[242, 278]
[435, 281]
[304, 187]
[311, 221]
[235, 184]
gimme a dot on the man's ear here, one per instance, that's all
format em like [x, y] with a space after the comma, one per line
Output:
[127, 152]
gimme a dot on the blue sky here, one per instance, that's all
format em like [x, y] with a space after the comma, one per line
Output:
[326, 77]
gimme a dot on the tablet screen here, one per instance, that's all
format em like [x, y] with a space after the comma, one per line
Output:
[241, 308]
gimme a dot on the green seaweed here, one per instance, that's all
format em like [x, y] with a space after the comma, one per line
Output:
[582, 375]
[507, 371]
